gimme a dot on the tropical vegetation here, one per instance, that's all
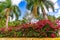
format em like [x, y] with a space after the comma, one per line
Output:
[7, 10]
[47, 26]
[36, 5]
[41, 29]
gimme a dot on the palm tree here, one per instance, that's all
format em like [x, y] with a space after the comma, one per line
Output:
[35, 5]
[7, 9]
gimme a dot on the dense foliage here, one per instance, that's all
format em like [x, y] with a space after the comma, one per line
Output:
[7, 10]
[2, 22]
[21, 28]
[41, 29]
[12, 23]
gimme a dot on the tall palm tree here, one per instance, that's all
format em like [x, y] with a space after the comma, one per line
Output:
[7, 9]
[34, 6]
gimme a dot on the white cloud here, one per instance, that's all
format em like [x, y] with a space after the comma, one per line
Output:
[56, 6]
[14, 2]
[2, 0]
[57, 14]
[53, 1]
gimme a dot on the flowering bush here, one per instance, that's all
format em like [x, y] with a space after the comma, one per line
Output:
[58, 23]
[42, 29]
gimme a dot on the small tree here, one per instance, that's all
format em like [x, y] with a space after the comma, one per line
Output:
[7, 9]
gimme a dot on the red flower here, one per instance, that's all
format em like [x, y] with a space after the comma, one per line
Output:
[47, 29]
[55, 28]
[24, 25]
[10, 29]
[58, 26]
[40, 26]
[2, 29]
[17, 28]
[53, 35]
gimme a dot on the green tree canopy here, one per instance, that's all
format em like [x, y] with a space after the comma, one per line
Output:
[35, 5]
[7, 9]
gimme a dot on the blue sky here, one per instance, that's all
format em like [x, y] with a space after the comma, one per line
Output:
[22, 6]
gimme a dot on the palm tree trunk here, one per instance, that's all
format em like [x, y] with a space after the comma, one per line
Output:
[44, 14]
[7, 22]
[7, 17]
[35, 11]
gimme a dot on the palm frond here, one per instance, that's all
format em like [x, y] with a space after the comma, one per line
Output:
[11, 14]
[16, 11]
[2, 6]
[51, 5]
[38, 11]
[8, 3]
[47, 6]
[29, 6]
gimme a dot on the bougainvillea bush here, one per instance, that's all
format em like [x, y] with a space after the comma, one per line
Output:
[40, 29]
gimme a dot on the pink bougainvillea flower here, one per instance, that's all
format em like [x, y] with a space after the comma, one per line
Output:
[24, 25]
[10, 29]
[47, 29]
[58, 26]
[16, 28]
[2, 29]
[53, 35]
